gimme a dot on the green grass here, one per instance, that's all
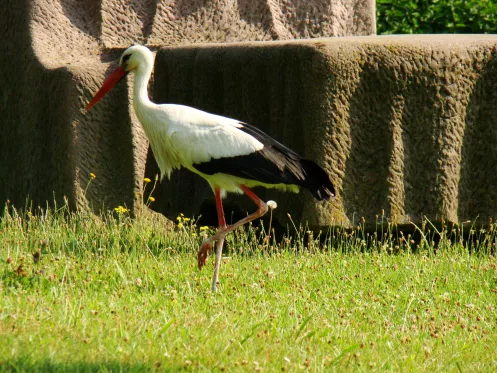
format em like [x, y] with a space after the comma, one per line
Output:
[84, 293]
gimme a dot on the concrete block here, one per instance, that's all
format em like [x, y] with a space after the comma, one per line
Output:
[403, 124]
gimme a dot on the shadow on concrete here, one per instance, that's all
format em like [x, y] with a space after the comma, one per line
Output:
[146, 10]
[184, 8]
[247, 13]
[32, 145]
[478, 178]
[86, 16]
[365, 183]
[48, 148]
[420, 138]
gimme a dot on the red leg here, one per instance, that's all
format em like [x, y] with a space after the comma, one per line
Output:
[261, 210]
[220, 210]
[206, 248]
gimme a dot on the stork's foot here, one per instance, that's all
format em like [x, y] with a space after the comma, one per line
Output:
[203, 253]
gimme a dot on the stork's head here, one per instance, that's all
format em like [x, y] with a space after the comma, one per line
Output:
[134, 59]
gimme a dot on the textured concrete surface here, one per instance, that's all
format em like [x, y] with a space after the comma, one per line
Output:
[180, 22]
[56, 53]
[403, 124]
[52, 63]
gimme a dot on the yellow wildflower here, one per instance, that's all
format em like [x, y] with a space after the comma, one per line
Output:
[179, 218]
[92, 175]
[180, 225]
[147, 180]
[204, 228]
[186, 219]
[194, 235]
[151, 199]
[121, 209]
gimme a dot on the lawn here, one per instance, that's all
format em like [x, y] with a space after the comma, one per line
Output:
[85, 293]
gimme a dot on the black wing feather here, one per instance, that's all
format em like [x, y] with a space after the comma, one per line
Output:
[273, 164]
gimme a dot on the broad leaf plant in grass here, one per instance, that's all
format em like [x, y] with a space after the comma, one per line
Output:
[86, 293]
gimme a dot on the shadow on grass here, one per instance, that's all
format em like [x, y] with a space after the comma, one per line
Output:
[25, 364]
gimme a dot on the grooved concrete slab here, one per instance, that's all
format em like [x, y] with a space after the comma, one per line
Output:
[405, 125]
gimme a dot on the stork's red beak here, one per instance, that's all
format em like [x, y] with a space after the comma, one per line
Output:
[114, 78]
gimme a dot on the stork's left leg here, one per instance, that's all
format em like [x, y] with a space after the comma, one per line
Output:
[217, 265]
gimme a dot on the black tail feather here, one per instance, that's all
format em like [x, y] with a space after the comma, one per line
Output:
[317, 181]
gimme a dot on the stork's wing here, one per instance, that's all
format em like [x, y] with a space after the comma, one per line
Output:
[206, 143]
[197, 136]
[274, 163]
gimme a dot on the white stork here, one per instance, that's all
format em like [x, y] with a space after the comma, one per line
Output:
[231, 155]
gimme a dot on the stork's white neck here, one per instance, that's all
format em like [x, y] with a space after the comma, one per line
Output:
[140, 86]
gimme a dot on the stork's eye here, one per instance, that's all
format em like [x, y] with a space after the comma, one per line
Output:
[126, 57]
